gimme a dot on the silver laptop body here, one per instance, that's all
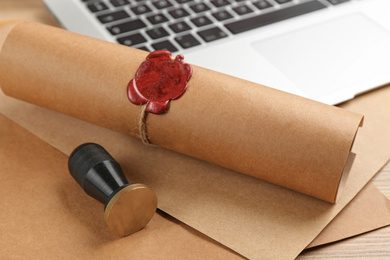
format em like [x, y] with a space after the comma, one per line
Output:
[326, 50]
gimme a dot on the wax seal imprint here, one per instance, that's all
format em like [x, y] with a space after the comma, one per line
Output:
[159, 79]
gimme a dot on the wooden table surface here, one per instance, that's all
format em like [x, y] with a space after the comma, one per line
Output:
[372, 245]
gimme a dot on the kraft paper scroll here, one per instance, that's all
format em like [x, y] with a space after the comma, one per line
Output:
[274, 136]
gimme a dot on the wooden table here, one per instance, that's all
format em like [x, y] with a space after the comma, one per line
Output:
[372, 245]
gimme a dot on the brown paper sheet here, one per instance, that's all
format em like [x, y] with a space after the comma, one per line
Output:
[34, 10]
[368, 211]
[351, 221]
[45, 215]
[269, 221]
[275, 136]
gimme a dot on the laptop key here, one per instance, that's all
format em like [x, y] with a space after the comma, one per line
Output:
[336, 2]
[143, 48]
[198, 8]
[243, 9]
[126, 27]
[212, 34]
[165, 45]
[273, 17]
[263, 4]
[219, 3]
[111, 17]
[97, 6]
[282, 1]
[222, 15]
[187, 41]
[141, 9]
[180, 27]
[201, 21]
[132, 39]
[161, 4]
[157, 18]
[179, 13]
[117, 3]
[156, 33]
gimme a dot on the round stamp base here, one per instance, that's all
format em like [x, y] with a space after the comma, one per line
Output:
[130, 209]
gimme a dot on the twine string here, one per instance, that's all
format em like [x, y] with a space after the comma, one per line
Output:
[143, 127]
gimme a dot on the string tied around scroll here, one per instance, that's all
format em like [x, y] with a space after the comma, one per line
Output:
[143, 127]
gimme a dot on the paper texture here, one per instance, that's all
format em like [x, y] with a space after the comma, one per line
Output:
[46, 215]
[32, 10]
[369, 210]
[276, 217]
[35, 10]
[252, 217]
[275, 136]
[31, 164]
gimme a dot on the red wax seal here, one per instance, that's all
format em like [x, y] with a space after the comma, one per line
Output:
[159, 79]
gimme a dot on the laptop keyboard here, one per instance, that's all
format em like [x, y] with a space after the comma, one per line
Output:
[175, 25]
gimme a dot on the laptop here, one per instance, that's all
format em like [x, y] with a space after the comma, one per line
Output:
[326, 50]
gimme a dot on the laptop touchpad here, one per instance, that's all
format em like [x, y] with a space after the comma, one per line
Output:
[323, 58]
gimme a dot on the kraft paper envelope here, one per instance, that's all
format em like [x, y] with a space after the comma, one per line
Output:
[306, 217]
[38, 192]
[256, 130]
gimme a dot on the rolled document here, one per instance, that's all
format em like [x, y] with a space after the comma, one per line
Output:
[275, 136]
